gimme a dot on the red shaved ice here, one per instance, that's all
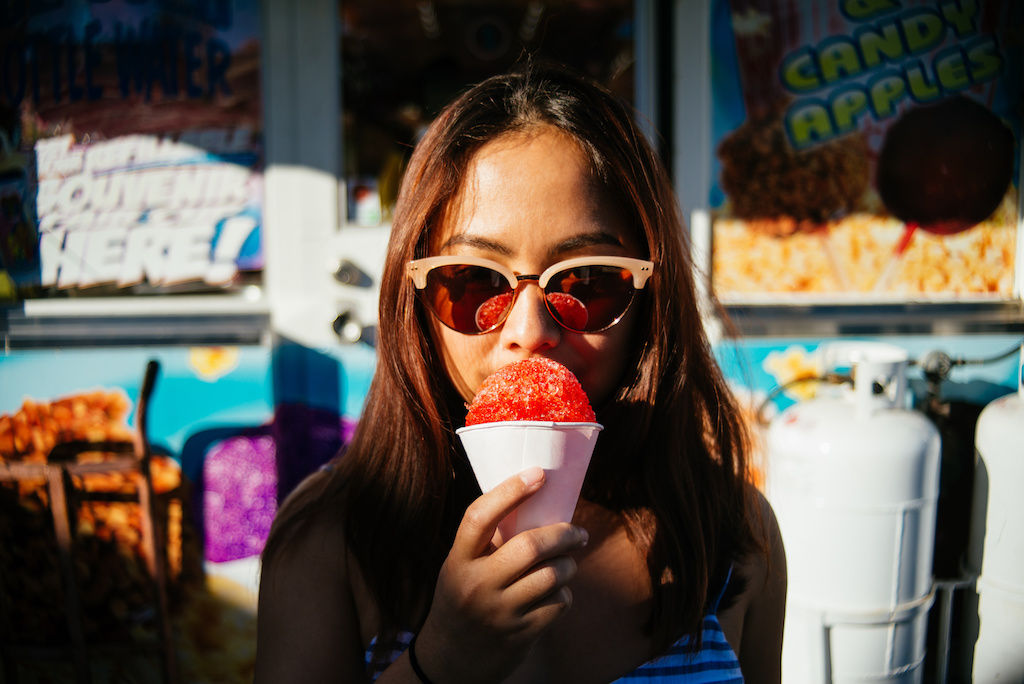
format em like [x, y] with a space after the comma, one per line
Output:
[570, 310]
[490, 312]
[532, 389]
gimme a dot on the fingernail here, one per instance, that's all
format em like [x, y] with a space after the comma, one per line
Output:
[584, 536]
[532, 476]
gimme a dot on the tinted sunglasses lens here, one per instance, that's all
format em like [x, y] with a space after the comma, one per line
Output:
[589, 298]
[468, 299]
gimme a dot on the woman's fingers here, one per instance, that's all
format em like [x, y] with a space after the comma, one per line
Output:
[543, 584]
[523, 553]
[483, 515]
[545, 611]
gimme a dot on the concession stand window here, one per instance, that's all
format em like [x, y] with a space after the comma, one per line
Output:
[863, 169]
[401, 62]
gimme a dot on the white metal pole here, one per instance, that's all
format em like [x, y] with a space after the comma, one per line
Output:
[302, 129]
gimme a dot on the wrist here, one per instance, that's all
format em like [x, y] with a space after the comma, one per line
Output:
[414, 662]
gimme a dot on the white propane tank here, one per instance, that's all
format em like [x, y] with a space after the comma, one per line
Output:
[996, 551]
[854, 480]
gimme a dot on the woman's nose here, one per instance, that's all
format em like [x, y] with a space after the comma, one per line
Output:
[529, 326]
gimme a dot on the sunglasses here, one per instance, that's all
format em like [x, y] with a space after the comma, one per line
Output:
[472, 295]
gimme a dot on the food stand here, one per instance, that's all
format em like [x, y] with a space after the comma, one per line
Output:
[140, 182]
[857, 179]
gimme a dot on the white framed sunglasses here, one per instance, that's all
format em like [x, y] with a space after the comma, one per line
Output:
[473, 295]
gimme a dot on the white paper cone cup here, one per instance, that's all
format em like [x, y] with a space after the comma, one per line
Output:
[497, 451]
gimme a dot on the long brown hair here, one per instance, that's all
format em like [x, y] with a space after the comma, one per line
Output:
[672, 457]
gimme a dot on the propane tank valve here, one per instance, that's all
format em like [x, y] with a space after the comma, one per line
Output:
[936, 366]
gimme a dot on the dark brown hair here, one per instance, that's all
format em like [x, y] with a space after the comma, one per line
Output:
[672, 457]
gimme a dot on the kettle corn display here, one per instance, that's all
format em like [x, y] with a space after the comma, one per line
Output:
[114, 589]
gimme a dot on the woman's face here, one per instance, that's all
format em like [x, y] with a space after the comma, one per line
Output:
[528, 201]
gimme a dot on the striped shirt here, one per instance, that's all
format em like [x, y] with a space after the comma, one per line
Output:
[714, 663]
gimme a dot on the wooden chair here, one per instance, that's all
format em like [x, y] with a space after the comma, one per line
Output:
[133, 457]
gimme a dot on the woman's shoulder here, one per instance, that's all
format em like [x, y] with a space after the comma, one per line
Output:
[764, 560]
[308, 604]
[753, 622]
[307, 536]
[767, 563]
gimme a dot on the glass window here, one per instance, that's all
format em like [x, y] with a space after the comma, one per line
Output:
[403, 61]
[130, 147]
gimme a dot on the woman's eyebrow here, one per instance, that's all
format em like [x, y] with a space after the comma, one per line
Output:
[469, 240]
[579, 241]
[586, 240]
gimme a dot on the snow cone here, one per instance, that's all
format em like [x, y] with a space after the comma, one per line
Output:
[532, 412]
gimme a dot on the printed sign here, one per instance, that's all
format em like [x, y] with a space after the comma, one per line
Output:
[866, 150]
[142, 209]
[131, 156]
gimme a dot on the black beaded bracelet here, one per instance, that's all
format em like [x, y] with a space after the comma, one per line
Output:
[414, 661]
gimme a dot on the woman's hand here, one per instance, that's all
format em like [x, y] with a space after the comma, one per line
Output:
[494, 599]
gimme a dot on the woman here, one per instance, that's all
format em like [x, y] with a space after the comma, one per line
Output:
[388, 563]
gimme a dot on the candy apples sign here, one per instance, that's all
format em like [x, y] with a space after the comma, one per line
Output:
[865, 151]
